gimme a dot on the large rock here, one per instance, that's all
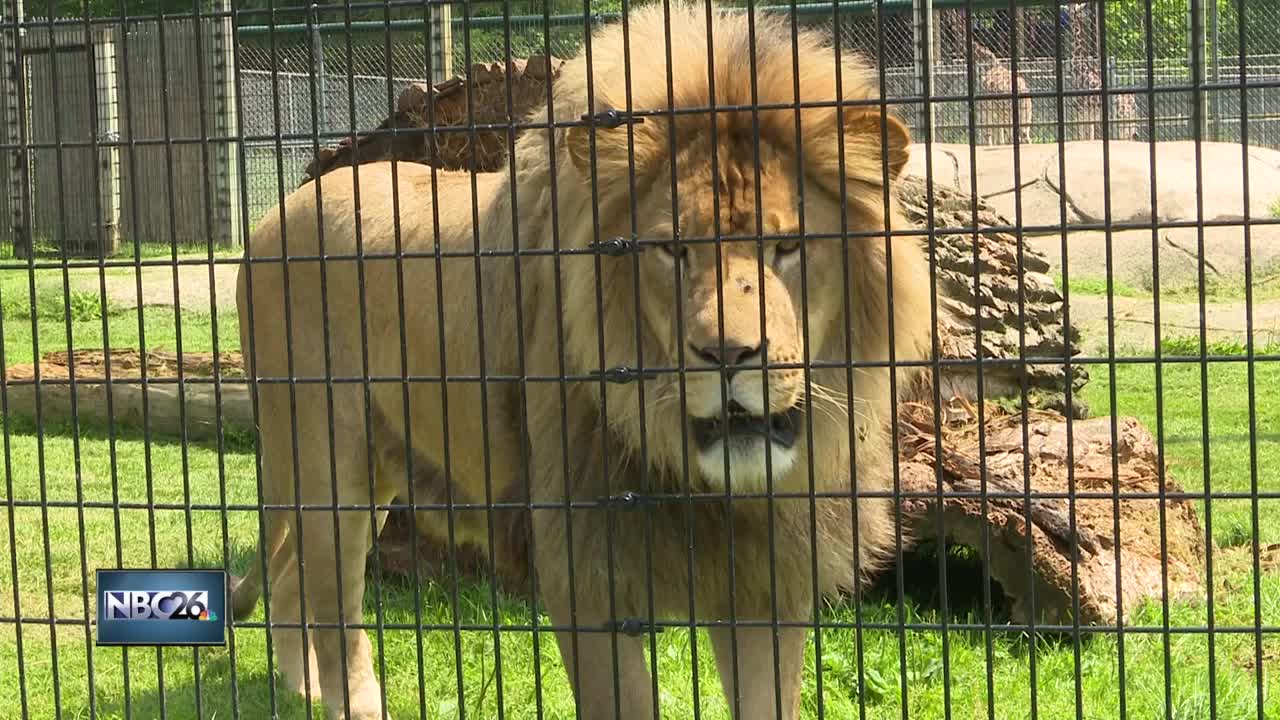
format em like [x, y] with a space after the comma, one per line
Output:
[1071, 178]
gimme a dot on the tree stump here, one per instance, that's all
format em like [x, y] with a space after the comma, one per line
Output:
[984, 495]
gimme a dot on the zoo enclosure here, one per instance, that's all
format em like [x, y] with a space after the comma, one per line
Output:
[152, 109]
[277, 89]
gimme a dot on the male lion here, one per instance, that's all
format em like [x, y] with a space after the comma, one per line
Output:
[683, 495]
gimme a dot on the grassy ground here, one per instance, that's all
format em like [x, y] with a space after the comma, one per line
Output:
[51, 551]
[44, 319]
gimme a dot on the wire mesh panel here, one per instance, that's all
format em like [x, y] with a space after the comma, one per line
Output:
[640, 359]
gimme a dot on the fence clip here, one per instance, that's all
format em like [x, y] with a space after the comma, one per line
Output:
[634, 627]
[615, 247]
[623, 374]
[612, 119]
[630, 500]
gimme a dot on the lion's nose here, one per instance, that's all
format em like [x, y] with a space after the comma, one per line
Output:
[734, 354]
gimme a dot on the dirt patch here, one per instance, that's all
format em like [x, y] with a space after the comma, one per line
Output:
[126, 364]
[1135, 325]
[196, 408]
[194, 287]
[1176, 249]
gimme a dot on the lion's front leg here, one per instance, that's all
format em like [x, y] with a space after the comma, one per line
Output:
[593, 673]
[756, 689]
[609, 680]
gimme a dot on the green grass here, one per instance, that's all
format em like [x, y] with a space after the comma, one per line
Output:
[43, 323]
[52, 465]
[1216, 289]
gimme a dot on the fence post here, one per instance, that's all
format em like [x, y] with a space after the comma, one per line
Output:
[923, 31]
[1196, 53]
[226, 159]
[15, 169]
[441, 38]
[1215, 71]
[101, 42]
[317, 55]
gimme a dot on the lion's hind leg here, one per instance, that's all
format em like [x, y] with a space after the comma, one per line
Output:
[332, 544]
[297, 660]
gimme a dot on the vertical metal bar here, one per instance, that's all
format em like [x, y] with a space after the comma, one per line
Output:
[717, 233]
[199, 24]
[1215, 69]
[170, 175]
[366, 397]
[645, 484]
[850, 386]
[95, 114]
[561, 367]
[1158, 352]
[816, 605]
[681, 376]
[15, 106]
[485, 421]
[1068, 372]
[984, 501]
[317, 55]
[447, 464]
[1198, 112]
[51, 46]
[1251, 369]
[922, 28]
[207, 165]
[1023, 374]
[409, 455]
[291, 377]
[935, 367]
[887, 199]
[245, 314]
[1105, 107]
[521, 371]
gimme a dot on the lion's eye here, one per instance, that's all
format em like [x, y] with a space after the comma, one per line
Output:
[674, 249]
[787, 247]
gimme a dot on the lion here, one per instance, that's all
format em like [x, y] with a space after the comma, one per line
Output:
[692, 429]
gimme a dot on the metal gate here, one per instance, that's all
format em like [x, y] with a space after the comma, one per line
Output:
[73, 180]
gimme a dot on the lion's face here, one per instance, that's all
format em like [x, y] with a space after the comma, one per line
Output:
[775, 298]
[749, 282]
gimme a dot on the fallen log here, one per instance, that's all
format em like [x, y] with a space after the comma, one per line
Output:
[116, 393]
[983, 486]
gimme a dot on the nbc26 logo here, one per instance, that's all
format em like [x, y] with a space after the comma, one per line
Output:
[158, 605]
[162, 607]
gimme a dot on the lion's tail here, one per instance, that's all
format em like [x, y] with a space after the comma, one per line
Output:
[245, 590]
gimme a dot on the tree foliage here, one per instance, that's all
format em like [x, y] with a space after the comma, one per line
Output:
[1126, 22]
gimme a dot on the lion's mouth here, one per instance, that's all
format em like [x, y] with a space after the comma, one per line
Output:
[780, 428]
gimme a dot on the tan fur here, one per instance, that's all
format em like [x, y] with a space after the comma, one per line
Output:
[507, 441]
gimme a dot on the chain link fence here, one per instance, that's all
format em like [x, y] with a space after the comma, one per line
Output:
[334, 79]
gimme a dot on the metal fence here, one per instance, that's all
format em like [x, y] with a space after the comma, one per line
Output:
[1052, 58]
[643, 407]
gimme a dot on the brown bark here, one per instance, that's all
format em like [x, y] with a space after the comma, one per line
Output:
[1069, 490]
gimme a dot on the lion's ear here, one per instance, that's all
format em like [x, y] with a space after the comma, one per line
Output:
[869, 126]
[616, 154]
[578, 138]
[611, 149]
